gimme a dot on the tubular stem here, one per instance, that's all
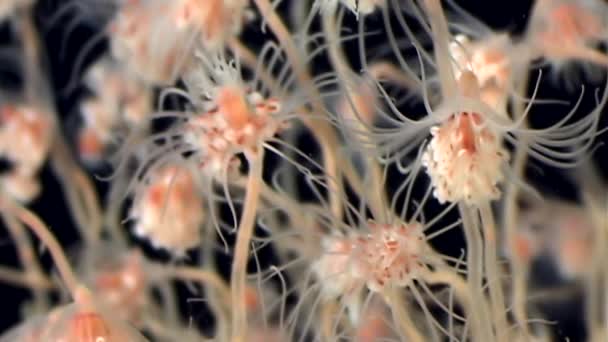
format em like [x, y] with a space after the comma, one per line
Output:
[475, 265]
[462, 293]
[241, 254]
[402, 318]
[204, 278]
[510, 220]
[44, 234]
[81, 198]
[28, 259]
[497, 298]
[25, 279]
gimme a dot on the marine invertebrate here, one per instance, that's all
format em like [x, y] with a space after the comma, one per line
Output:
[169, 211]
[465, 160]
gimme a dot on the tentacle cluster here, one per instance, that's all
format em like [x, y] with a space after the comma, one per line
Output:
[235, 122]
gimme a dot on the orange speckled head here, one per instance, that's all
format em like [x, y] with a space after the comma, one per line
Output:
[574, 22]
[233, 106]
[88, 327]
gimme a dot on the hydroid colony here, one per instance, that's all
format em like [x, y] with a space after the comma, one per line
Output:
[300, 181]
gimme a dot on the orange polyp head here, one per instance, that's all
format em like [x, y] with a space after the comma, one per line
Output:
[524, 247]
[7, 112]
[564, 16]
[26, 134]
[373, 327]
[573, 256]
[388, 255]
[90, 145]
[465, 159]
[184, 14]
[574, 22]
[83, 323]
[492, 65]
[174, 187]
[252, 298]
[494, 96]
[170, 209]
[568, 25]
[233, 105]
[333, 267]
[216, 18]
[157, 194]
[492, 56]
[88, 327]
[466, 131]
[467, 135]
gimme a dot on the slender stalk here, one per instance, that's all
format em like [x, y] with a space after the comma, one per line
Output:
[203, 277]
[333, 175]
[25, 279]
[164, 331]
[336, 55]
[475, 264]
[463, 295]
[169, 303]
[583, 53]
[595, 288]
[603, 228]
[328, 320]
[596, 278]
[401, 316]
[44, 234]
[519, 269]
[212, 282]
[241, 253]
[113, 206]
[79, 191]
[219, 304]
[31, 52]
[28, 259]
[499, 309]
[278, 199]
[384, 71]
[441, 43]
